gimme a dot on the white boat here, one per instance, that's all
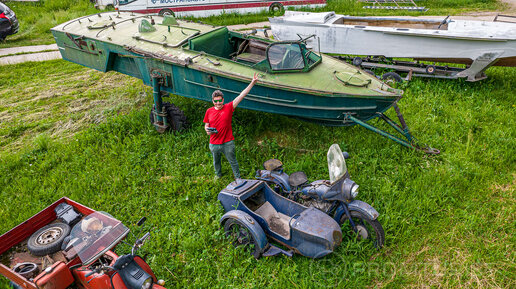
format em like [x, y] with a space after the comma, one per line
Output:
[478, 44]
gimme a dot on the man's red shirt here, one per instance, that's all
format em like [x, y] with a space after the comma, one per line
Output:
[221, 120]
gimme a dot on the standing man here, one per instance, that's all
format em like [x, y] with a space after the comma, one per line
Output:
[219, 117]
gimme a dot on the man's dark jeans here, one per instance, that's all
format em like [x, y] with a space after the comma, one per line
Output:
[228, 149]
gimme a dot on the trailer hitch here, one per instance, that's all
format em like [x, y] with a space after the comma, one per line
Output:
[408, 139]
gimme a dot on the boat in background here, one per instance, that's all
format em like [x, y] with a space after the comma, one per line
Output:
[478, 44]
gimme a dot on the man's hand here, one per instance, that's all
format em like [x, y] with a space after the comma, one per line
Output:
[239, 98]
[206, 126]
[255, 78]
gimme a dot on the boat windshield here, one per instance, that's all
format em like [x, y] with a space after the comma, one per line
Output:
[291, 56]
[94, 235]
[336, 163]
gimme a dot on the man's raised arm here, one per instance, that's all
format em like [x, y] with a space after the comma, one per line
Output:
[239, 98]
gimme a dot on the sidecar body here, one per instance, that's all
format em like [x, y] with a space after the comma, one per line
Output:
[267, 216]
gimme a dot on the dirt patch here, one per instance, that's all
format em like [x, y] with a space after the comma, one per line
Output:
[506, 188]
[511, 4]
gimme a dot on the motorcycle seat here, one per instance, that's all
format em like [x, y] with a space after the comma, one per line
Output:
[272, 165]
[297, 179]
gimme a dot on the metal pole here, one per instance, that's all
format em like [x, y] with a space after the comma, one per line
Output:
[381, 132]
[158, 102]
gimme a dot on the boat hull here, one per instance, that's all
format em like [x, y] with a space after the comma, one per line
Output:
[198, 82]
[455, 42]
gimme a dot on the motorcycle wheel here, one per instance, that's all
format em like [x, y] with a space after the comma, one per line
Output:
[239, 235]
[366, 229]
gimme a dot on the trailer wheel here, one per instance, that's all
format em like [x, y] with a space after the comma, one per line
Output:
[166, 12]
[357, 61]
[430, 69]
[48, 239]
[176, 118]
[391, 77]
[276, 7]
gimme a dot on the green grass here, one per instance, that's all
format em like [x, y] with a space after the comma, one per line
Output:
[58, 98]
[37, 18]
[352, 7]
[449, 219]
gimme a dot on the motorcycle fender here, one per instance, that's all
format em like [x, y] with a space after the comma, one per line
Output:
[250, 223]
[364, 208]
[139, 260]
[117, 282]
[277, 178]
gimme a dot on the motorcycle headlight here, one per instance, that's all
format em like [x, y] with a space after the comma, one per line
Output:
[147, 283]
[349, 189]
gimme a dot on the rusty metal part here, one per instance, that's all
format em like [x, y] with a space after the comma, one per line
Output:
[26, 269]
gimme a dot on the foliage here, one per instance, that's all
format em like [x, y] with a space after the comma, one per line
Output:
[449, 219]
[36, 19]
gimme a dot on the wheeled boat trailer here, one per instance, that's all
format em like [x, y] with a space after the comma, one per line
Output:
[473, 72]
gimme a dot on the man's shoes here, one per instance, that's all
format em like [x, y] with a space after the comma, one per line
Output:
[216, 178]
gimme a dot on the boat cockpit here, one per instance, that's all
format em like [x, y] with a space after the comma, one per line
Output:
[261, 54]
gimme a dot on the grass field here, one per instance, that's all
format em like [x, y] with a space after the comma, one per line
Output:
[449, 220]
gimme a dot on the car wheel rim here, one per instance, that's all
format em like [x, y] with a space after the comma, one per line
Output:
[49, 236]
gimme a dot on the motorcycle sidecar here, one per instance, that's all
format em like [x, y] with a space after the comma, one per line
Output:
[256, 214]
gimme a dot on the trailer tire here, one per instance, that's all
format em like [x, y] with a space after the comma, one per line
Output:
[391, 77]
[276, 7]
[430, 69]
[357, 61]
[175, 117]
[48, 239]
[166, 12]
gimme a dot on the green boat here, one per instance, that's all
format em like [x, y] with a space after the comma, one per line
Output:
[193, 59]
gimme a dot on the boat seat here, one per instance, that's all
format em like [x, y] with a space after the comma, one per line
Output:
[278, 222]
[250, 58]
[257, 47]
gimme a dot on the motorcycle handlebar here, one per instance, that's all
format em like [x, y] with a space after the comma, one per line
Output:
[139, 243]
[145, 237]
